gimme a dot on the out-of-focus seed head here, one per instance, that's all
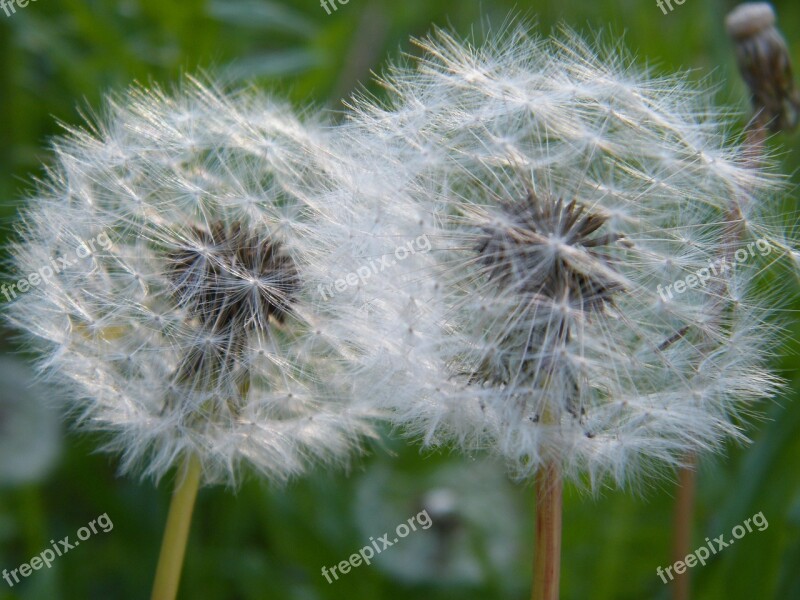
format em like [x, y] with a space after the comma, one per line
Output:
[30, 433]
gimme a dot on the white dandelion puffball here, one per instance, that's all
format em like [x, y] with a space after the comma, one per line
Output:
[170, 244]
[589, 294]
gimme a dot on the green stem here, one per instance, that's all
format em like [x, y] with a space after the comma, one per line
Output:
[176, 533]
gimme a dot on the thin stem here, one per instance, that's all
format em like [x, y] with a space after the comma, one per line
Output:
[176, 533]
[547, 550]
[684, 511]
[756, 135]
[753, 152]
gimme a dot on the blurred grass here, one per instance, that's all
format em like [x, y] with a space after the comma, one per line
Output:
[59, 56]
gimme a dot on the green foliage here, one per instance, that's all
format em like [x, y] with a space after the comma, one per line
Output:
[58, 57]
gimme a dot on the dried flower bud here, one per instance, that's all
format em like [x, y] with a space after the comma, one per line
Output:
[765, 65]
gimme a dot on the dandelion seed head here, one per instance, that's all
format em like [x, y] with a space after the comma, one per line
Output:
[583, 301]
[190, 324]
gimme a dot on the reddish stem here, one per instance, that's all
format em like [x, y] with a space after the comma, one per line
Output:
[547, 551]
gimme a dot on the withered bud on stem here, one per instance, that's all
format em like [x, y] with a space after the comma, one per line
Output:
[765, 65]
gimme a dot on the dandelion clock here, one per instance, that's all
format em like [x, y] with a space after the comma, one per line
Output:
[588, 308]
[177, 307]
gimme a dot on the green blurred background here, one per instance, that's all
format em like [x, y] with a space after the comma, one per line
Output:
[57, 57]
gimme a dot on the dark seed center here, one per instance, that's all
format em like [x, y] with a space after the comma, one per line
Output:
[529, 252]
[228, 276]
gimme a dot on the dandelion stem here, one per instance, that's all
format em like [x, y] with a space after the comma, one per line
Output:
[684, 511]
[547, 550]
[176, 533]
[754, 148]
